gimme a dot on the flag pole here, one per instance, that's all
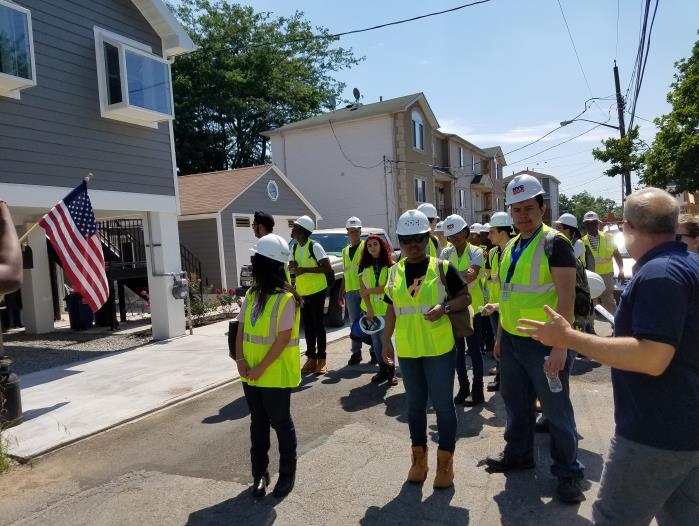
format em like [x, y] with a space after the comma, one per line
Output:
[24, 236]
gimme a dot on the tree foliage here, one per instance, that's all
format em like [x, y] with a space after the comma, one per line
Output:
[625, 155]
[231, 88]
[581, 203]
[673, 159]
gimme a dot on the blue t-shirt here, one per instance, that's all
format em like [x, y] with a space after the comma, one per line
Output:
[661, 303]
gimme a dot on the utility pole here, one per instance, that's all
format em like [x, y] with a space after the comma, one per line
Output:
[626, 184]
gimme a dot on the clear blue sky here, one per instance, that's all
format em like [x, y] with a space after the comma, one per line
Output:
[504, 73]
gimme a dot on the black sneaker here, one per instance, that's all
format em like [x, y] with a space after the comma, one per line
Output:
[355, 359]
[493, 386]
[568, 491]
[463, 394]
[501, 463]
[372, 359]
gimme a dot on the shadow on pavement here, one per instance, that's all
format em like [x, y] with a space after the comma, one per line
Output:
[234, 410]
[364, 397]
[242, 509]
[397, 406]
[583, 365]
[347, 373]
[33, 413]
[408, 508]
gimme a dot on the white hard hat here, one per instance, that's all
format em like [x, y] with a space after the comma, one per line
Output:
[272, 246]
[476, 228]
[428, 209]
[568, 220]
[521, 188]
[353, 222]
[439, 227]
[306, 223]
[501, 219]
[373, 326]
[596, 284]
[412, 222]
[485, 228]
[454, 224]
[590, 216]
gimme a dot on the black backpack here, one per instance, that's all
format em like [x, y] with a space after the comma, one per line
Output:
[583, 300]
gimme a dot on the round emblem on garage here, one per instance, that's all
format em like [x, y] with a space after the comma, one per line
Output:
[273, 190]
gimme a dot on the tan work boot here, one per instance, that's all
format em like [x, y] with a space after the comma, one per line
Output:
[444, 478]
[321, 368]
[418, 471]
[309, 366]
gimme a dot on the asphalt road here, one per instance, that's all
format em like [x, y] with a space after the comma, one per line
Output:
[189, 464]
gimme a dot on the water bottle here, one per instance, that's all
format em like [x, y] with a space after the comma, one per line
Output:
[555, 384]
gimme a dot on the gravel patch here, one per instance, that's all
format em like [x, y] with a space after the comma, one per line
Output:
[32, 353]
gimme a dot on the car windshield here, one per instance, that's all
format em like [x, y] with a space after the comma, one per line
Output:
[334, 243]
[621, 245]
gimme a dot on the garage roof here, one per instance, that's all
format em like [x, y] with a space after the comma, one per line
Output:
[211, 192]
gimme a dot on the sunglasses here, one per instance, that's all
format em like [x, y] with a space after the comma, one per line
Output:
[412, 240]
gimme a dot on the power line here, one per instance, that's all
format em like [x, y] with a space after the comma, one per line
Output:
[645, 62]
[557, 145]
[345, 155]
[616, 50]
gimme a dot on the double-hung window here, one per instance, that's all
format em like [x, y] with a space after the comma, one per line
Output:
[17, 67]
[462, 198]
[134, 84]
[420, 189]
[418, 131]
[461, 157]
[473, 163]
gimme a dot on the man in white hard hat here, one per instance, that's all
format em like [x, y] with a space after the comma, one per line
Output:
[349, 290]
[475, 234]
[310, 264]
[532, 277]
[431, 213]
[652, 469]
[603, 250]
[568, 225]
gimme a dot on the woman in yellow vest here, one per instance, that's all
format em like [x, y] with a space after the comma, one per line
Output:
[374, 266]
[416, 292]
[269, 362]
[349, 296]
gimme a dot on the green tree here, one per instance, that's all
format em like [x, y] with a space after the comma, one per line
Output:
[583, 202]
[625, 155]
[674, 156]
[251, 72]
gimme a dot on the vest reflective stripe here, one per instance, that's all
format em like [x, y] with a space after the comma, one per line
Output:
[307, 284]
[603, 254]
[531, 286]
[475, 288]
[415, 336]
[493, 283]
[351, 267]
[430, 250]
[285, 371]
[378, 305]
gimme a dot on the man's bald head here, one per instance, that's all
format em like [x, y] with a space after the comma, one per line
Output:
[652, 211]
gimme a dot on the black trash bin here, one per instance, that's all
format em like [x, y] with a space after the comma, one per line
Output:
[79, 313]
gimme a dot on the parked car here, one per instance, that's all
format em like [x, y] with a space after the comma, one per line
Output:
[333, 240]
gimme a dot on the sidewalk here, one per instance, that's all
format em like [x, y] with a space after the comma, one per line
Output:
[67, 403]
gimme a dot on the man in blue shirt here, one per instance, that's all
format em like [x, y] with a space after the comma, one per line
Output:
[653, 464]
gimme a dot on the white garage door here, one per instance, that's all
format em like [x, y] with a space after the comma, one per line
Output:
[245, 237]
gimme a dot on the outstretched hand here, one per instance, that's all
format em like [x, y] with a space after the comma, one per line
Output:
[553, 333]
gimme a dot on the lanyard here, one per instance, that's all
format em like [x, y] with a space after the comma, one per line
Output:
[516, 253]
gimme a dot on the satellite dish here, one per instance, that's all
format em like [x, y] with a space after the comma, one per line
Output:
[356, 94]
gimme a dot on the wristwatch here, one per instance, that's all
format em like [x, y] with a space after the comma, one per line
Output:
[447, 308]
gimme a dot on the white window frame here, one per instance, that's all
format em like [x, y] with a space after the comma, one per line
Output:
[417, 131]
[497, 166]
[420, 184]
[462, 198]
[461, 157]
[10, 85]
[473, 163]
[124, 111]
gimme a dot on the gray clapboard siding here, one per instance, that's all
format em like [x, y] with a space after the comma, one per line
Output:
[55, 133]
[200, 238]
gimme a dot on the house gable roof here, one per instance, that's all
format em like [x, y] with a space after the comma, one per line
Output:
[176, 41]
[538, 175]
[362, 111]
[495, 151]
[209, 193]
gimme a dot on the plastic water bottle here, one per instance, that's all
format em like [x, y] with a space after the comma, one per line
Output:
[555, 384]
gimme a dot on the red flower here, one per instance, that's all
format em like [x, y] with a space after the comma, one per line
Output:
[218, 292]
[231, 292]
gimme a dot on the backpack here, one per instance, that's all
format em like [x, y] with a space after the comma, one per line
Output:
[583, 301]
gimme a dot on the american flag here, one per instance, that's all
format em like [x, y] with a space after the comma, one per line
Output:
[72, 230]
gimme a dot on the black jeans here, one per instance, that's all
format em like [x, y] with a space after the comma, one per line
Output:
[270, 406]
[314, 324]
[474, 351]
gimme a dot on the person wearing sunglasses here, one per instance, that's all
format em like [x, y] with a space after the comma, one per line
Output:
[688, 232]
[416, 292]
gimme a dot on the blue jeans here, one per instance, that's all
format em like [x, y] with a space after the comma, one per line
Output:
[474, 351]
[377, 345]
[522, 381]
[434, 377]
[354, 301]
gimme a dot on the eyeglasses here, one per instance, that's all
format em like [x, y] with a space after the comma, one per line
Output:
[412, 240]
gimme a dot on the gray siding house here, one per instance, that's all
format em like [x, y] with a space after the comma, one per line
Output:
[85, 87]
[217, 211]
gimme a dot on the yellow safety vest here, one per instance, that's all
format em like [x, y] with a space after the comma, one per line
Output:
[285, 371]
[415, 336]
[307, 284]
[603, 254]
[475, 288]
[531, 286]
[378, 305]
[431, 251]
[351, 267]
[493, 284]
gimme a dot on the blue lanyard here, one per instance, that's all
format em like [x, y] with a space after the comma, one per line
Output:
[516, 253]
